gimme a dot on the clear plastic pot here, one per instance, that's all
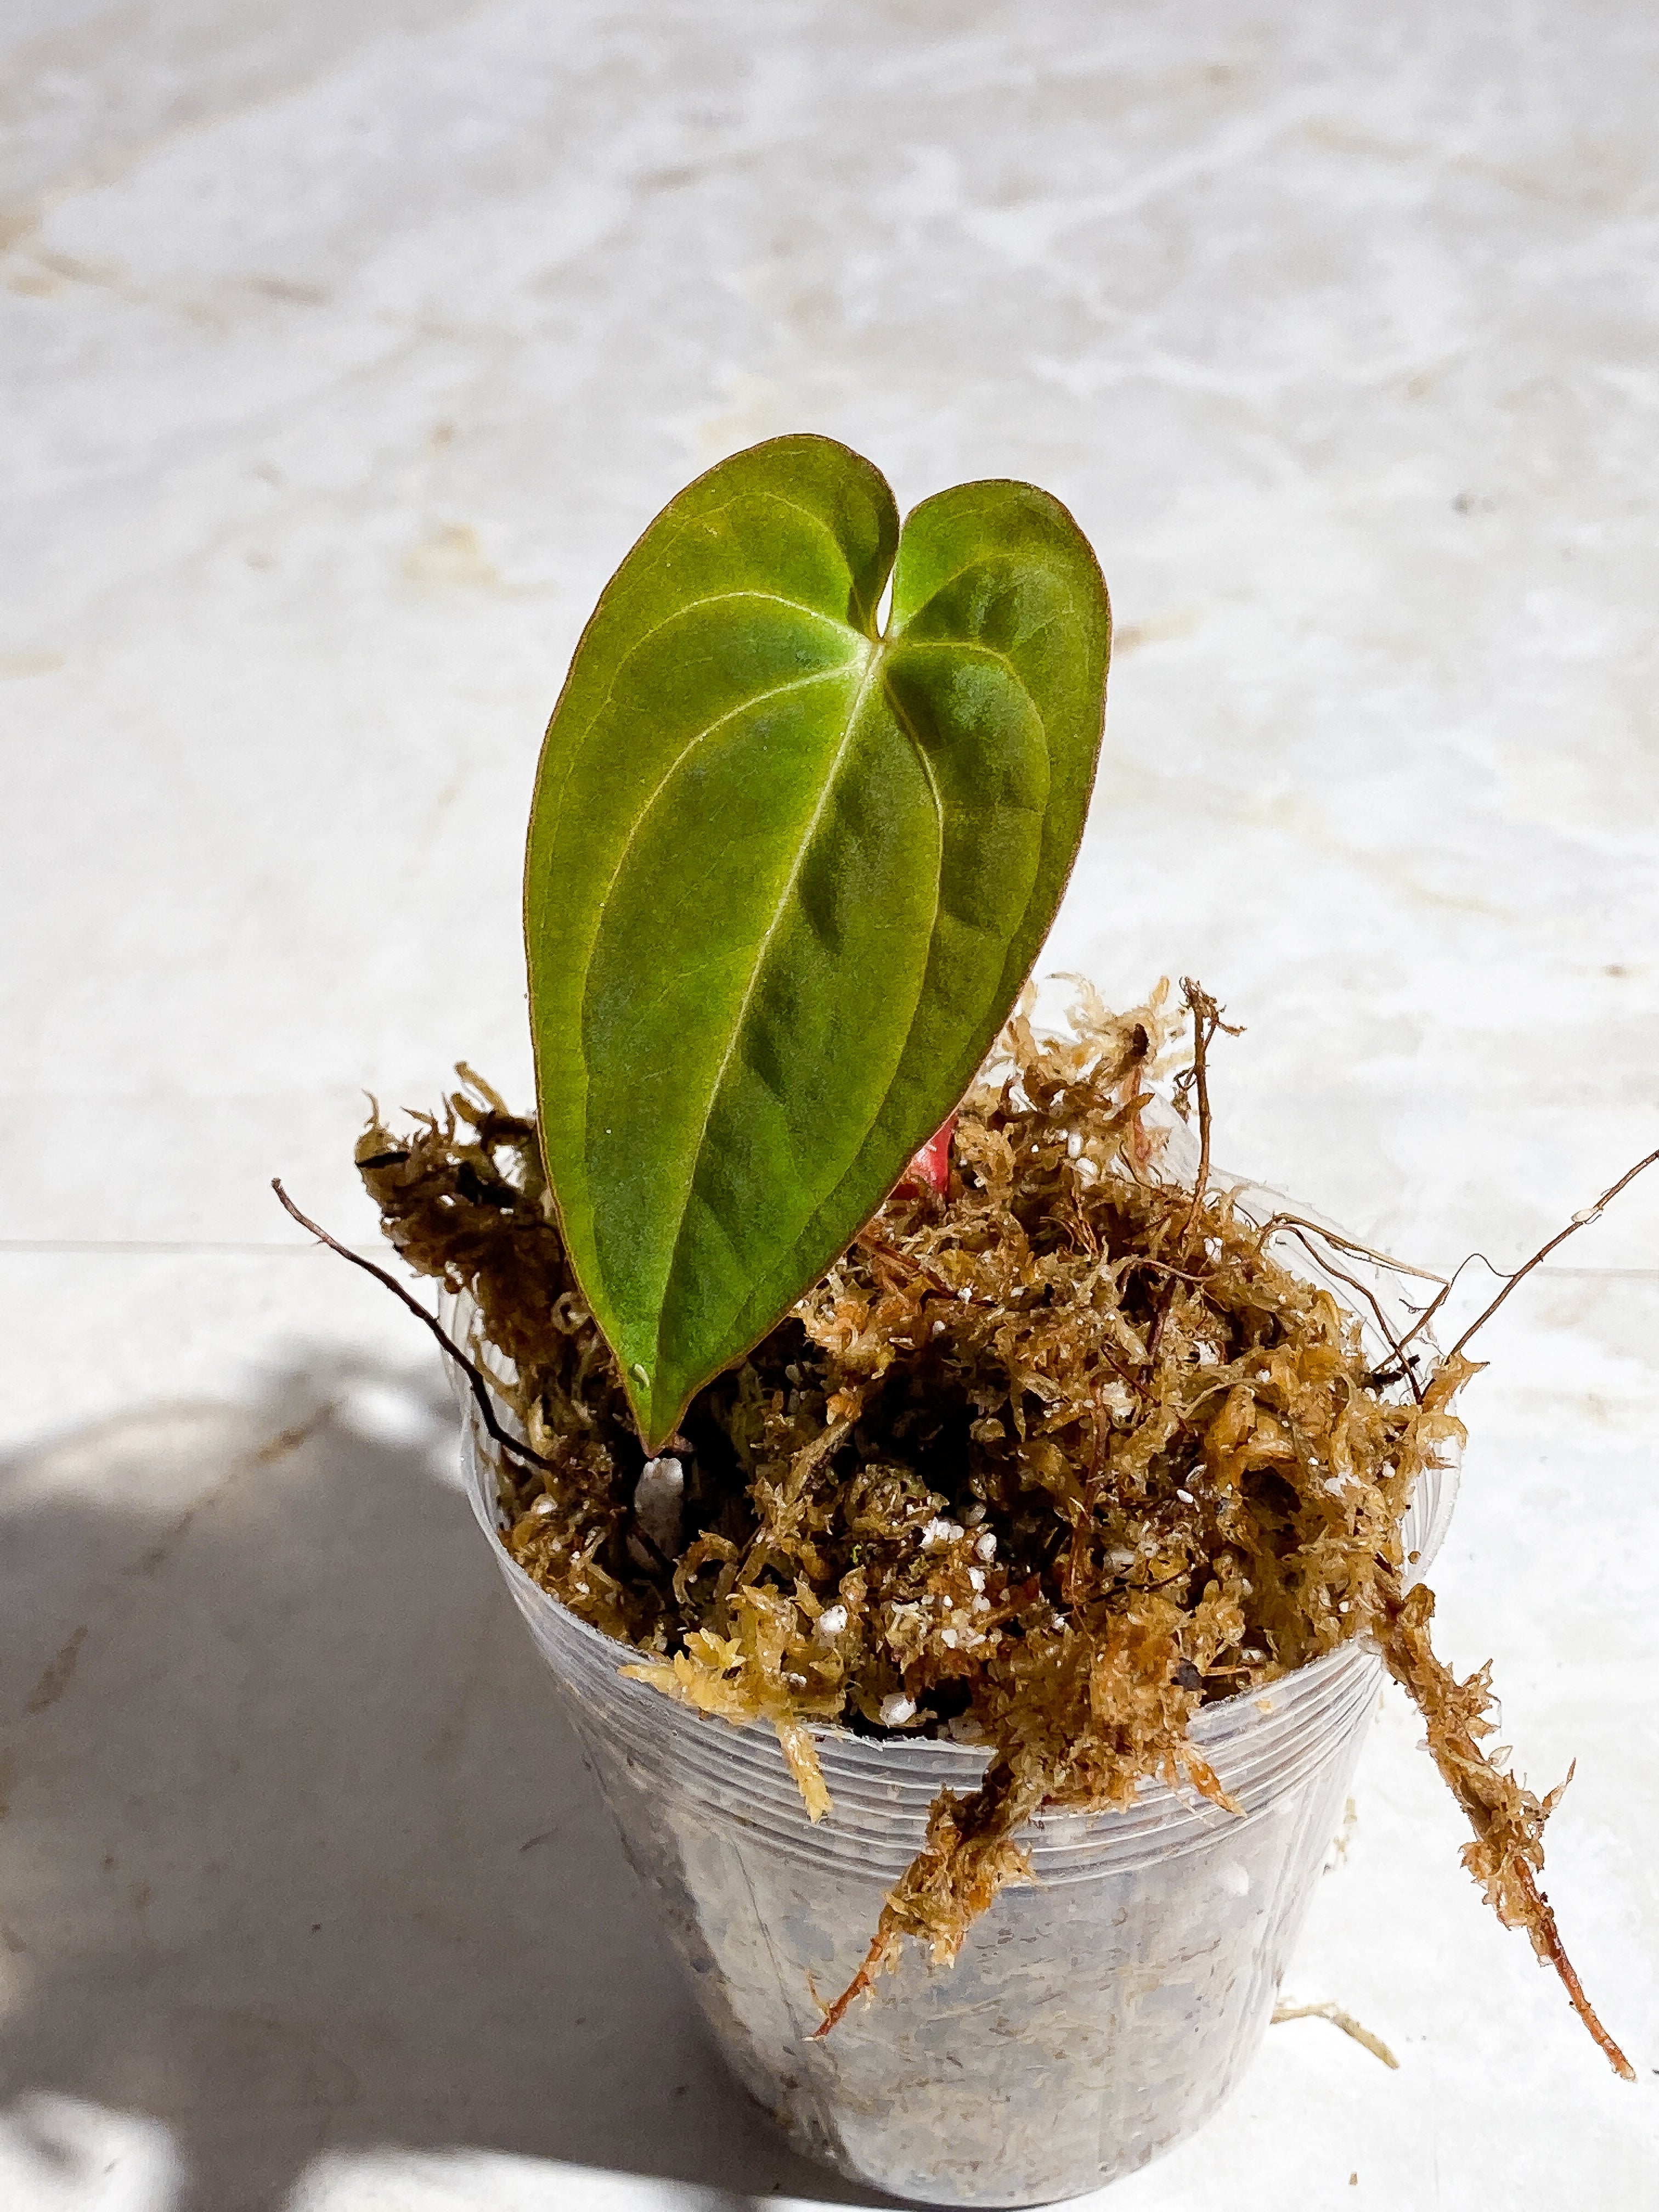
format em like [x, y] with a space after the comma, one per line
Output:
[1091, 2021]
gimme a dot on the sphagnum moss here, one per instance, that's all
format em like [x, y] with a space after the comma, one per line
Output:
[1048, 1461]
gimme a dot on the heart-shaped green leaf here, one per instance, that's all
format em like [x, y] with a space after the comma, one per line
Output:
[787, 872]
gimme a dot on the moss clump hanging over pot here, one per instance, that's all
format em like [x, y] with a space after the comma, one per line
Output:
[1050, 1459]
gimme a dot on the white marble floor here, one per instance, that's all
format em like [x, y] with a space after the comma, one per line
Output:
[345, 348]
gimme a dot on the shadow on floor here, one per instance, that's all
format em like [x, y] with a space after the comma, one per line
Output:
[298, 1855]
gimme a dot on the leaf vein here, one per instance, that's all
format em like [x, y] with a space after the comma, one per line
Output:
[687, 607]
[755, 699]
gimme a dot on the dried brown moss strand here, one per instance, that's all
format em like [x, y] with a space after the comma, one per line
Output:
[474, 1375]
[966, 1858]
[1206, 1018]
[1275, 1222]
[1339, 2016]
[1437, 1694]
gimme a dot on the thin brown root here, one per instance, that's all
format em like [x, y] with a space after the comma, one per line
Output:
[1346, 2021]
[1580, 1220]
[1364, 1289]
[473, 1373]
[881, 1957]
[1546, 1941]
[1507, 1819]
[1330, 1236]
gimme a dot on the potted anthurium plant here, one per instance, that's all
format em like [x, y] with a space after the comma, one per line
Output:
[967, 1529]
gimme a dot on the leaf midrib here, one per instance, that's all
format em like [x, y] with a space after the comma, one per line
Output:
[878, 650]
[742, 706]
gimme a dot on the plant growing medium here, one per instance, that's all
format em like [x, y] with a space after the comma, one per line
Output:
[851, 1353]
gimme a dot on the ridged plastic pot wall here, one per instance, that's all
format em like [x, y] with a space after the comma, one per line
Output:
[1091, 2021]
